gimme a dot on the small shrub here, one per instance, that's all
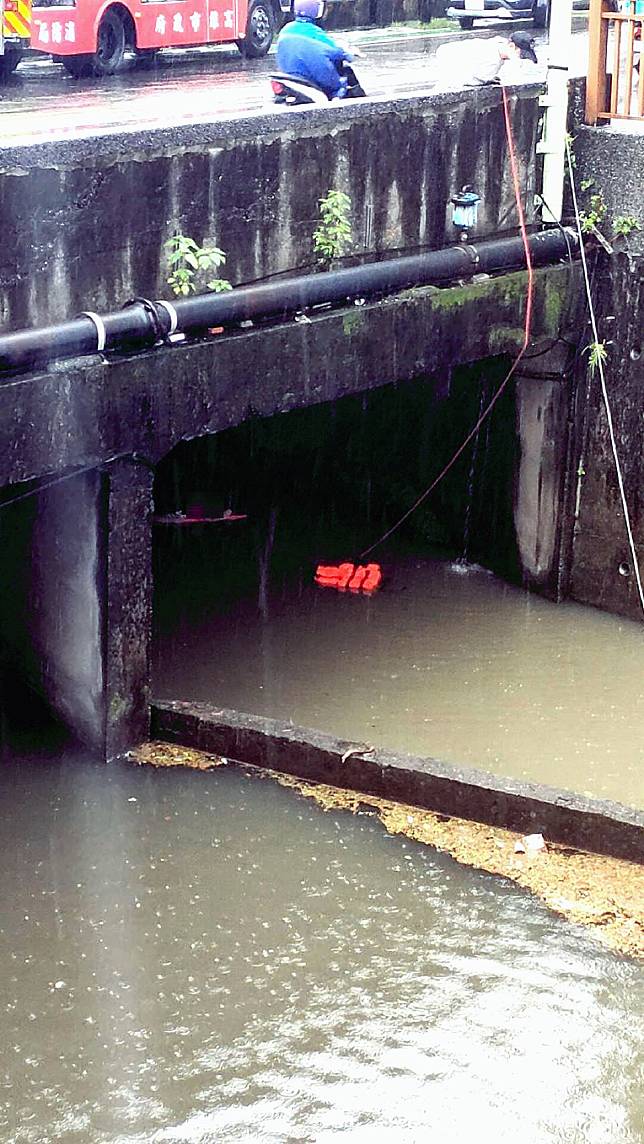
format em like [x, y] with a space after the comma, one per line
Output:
[623, 225]
[597, 355]
[189, 263]
[592, 218]
[333, 236]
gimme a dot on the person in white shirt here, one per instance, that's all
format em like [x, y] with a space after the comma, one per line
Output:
[476, 62]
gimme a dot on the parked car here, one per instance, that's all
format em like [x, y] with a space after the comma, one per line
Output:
[467, 11]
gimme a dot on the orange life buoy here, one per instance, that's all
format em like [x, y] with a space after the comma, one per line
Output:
[364, 578]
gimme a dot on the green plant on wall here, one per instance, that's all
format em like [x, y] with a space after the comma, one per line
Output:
[333, 235]
[597, 355]
[624, 225]
[595, 217]
[592, 218]
[189, 263]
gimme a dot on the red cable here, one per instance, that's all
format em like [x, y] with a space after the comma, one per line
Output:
[526, 339]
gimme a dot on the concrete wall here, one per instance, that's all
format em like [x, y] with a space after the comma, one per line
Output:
[89, 219]
[615, 163]
[87, 413]
[543, 395]
[66, 601]
[601, 564]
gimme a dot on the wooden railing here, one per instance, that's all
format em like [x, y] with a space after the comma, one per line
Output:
[615, 88]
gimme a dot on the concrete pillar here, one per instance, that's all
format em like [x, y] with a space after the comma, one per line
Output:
[60, 648]
[127, 606]
[83, 573]
[543, 430]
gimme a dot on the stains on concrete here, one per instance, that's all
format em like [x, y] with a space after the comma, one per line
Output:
[146, 403]
[601, 564]
[93, 216]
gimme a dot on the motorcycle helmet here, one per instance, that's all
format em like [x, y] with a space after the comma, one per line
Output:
[525, 44]
[309, 9]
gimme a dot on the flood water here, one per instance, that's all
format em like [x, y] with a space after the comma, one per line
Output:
[445, 661]
[208, 957]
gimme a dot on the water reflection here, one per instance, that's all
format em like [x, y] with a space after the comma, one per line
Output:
[209, 958]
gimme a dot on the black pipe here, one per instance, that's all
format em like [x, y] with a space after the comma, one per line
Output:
[143, 323]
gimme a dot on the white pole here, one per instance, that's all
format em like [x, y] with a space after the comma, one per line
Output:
[555, 101]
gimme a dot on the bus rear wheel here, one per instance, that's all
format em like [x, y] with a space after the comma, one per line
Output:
[260, 26]
[110, 49]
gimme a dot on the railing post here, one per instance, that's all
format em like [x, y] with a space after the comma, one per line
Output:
[597, 50]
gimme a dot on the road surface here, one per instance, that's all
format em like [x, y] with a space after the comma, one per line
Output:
[42, 103]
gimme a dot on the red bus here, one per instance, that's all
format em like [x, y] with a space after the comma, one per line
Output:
[91, 37]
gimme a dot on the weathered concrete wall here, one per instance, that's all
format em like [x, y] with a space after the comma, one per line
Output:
[76, 612]
[65, 602]
[83, 414]
[615, 162]
[601, 565]
[89, 218]
[598, 560]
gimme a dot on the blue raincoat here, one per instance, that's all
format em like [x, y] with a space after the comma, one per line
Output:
[305, 50]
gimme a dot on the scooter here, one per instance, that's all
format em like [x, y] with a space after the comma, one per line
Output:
[292, 89]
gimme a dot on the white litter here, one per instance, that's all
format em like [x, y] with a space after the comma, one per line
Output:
[530, 844]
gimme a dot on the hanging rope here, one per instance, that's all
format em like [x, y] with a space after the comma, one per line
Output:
[513, 368]
[604, 390]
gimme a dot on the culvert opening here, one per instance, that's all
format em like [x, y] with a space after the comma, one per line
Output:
[286, 491]
[278, 495]
[450, 659]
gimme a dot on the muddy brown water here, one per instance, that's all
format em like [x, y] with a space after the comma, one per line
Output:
[192, 957]
[207, 957]
[446, 661]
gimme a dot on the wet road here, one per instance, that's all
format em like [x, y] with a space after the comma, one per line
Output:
[41, 103]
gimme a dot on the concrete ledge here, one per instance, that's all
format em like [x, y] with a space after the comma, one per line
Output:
[590, 824]
[81, 414]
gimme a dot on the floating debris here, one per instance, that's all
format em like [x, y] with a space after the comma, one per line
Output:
[587, 889]
[166, 755]
[365, 578]
[182, 518]
[530, 844]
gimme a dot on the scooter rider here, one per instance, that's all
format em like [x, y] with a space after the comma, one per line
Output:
[306, 51]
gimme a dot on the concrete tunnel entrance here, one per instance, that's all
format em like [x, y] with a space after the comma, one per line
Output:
[318, 484]
[323, 483]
